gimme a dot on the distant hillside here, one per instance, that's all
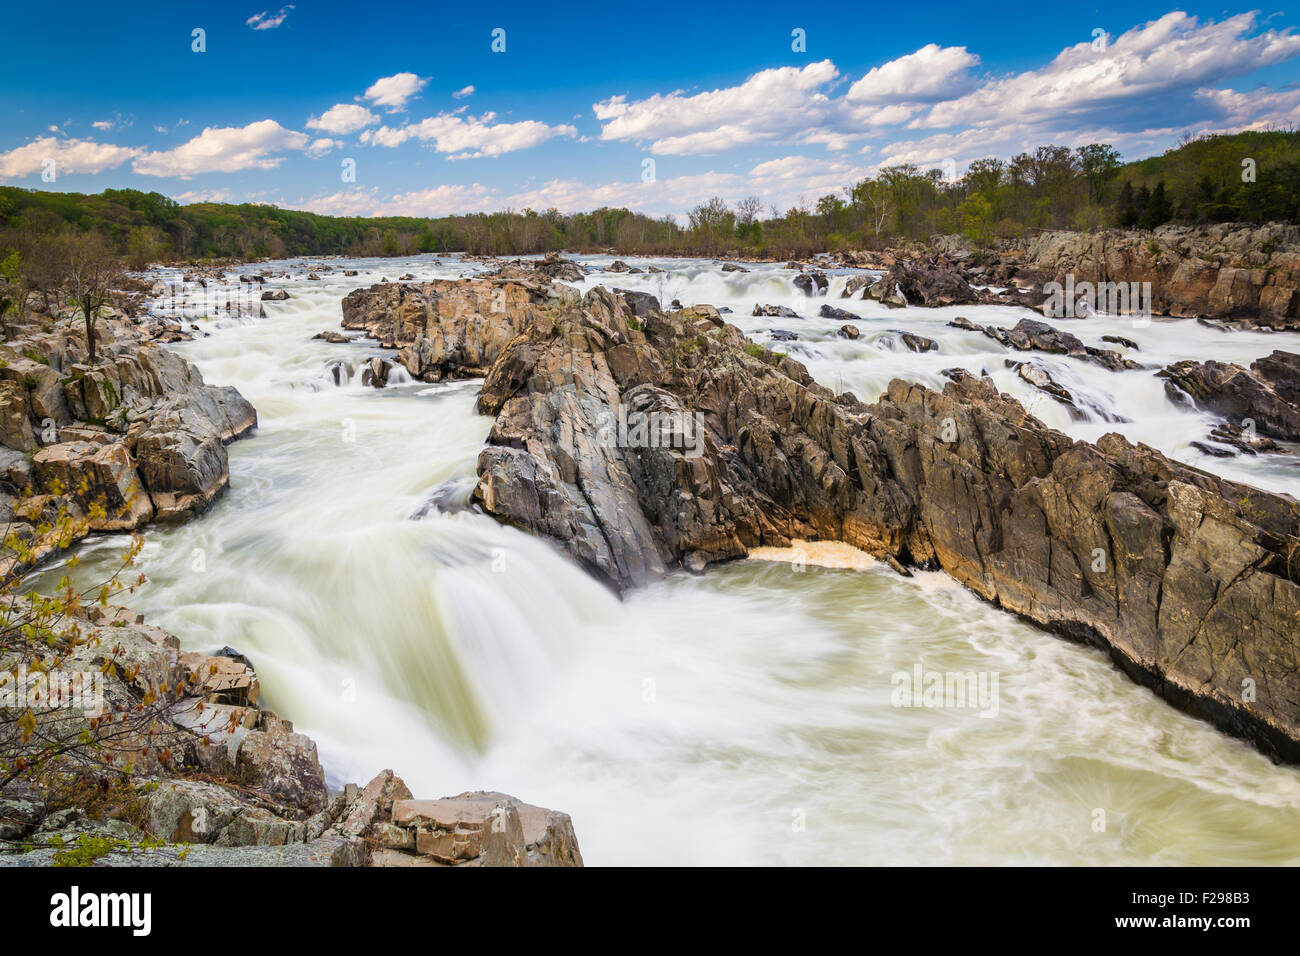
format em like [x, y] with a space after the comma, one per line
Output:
[1249, 177]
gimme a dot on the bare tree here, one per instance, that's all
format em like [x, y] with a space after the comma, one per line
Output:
[91, 272]
[748, 209]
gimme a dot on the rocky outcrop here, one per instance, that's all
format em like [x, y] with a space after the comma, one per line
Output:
[215, 779]
[1235, 271]
[1264, 398]
[641, 444]
[448, 328]
[1031, 335]
[138, 435]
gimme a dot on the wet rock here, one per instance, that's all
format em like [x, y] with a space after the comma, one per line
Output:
[919, 343]
[275, 295]
[849, 332]
[618, 265]
[565, 270]
[811, 283]
[830, 312]
[336, 338]
[1120, 340]
[1243, 395]
[781, 335]
[775, 312]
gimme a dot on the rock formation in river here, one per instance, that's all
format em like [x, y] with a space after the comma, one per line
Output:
[218, 780]
[643, 441]
[139, 431]
[1236, 271]
[1267, 394]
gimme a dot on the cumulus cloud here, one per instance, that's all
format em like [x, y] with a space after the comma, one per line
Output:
[224, 150]
[436, 201]
[930, 74]
[463, 92]
[69, 156]
[770, 105]
[343, 118]
[319, 147]
[394, 91]
[263, 21]
[1175, 53]
[467, 137]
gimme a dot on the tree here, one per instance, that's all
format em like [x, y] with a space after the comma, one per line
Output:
[92, 271]
[1158, 208]
[1100, 162]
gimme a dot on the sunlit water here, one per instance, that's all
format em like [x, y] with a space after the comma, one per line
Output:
[742, 716]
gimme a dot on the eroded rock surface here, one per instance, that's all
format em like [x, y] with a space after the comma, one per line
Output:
[1190, 581]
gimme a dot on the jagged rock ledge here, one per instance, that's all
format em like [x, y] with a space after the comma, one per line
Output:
[217, 780]
[138, 431]
[1190, 582]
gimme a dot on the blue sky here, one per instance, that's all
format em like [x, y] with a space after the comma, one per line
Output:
[655, 106]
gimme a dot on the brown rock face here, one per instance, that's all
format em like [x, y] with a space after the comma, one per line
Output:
[647, 442]
[1268, 394]
[1228, 271]
[447, 328]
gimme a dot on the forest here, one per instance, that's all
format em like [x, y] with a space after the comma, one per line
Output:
[1246, 177]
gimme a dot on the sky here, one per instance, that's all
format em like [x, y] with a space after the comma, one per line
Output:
[430, 109]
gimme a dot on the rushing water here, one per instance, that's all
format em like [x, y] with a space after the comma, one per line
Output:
[742, 716]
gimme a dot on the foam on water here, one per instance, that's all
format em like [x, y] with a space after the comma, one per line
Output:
[743, 716]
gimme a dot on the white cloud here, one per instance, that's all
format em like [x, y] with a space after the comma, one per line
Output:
[1176, 52]
[319, 147]
[343, 118]
[436, 201]
[260, 21]
[463, 92]
[394, 91]
[204, 195]
[467, 137]
[930, 74]
[104, 125]
[771, 105]
[69, 156]
[224, 150]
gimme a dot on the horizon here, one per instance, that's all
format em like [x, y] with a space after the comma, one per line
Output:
[394, 128]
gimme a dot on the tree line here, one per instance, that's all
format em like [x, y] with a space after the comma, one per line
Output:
[1248, 177]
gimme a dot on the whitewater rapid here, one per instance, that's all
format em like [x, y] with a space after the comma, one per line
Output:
[741, 716]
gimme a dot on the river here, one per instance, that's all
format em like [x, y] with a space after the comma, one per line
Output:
[744, 716]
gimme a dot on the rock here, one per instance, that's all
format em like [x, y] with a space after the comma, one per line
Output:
[781, 335]
[775, 311]
[450, 328]
[1243, 395]
[375, 372]
[848, 332]
[488, 829]
[830, 312]
[565, 270]
[1120, 340]
[931, 284]
[919, 343]
[95, 474]
[1041, 380]
[275, 295]
[618, 265]
[1195, 594]
[811, 283]
[349, 272]
[285, 766]
[733, 267]
[336, 338]
[1236, 271]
